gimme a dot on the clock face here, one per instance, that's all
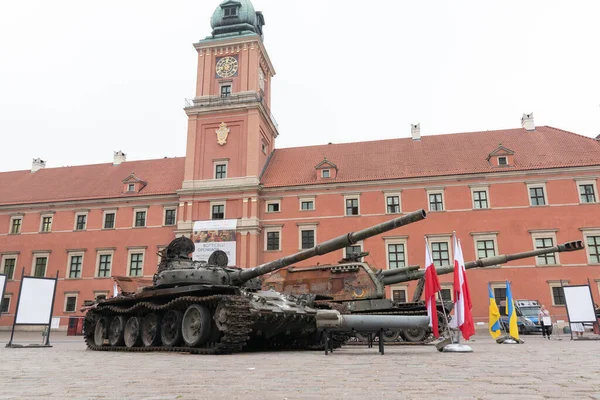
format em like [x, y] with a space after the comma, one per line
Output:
[227, 67]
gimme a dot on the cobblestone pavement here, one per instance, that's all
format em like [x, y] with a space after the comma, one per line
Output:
[537, 369]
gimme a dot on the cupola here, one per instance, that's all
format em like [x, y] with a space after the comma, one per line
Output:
[236, 17]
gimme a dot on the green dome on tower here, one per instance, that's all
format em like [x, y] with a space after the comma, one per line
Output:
[236, 17]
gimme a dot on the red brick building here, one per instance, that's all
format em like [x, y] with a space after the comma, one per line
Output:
[502, 191]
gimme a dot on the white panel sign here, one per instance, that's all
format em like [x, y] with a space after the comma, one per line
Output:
[2, 287]
[35, 301]
[210, 236]
[580, 304]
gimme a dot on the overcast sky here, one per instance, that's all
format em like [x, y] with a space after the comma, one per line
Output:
[80, 79]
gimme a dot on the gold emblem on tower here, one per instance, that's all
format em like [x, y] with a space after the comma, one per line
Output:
[222, 134]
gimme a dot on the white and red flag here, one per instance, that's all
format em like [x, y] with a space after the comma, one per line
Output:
[432, 286]
[462, 296]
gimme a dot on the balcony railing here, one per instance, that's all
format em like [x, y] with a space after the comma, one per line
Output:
[232, 99]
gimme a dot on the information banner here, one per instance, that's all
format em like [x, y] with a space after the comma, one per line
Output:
[2, 288]
[213, 235]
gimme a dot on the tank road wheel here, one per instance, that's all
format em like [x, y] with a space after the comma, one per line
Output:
[170, 328]
[390, 336]
[116, 329]
[132, 332]
[150, 330]
[100, 331]
[415, 335]
[196, 326]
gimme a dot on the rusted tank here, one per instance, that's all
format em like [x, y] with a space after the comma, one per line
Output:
[210, 308]
[360, 288]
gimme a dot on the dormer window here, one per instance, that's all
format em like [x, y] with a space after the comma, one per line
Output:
[325, 173]
[131, 187]
[502, 161]
[231, 11]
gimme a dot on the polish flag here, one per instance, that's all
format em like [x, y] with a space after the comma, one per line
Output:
[432, 286]
[462, 297]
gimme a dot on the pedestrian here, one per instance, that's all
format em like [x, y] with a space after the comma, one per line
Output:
[578, 328]
[545, 321]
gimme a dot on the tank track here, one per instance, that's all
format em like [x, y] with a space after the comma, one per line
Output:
[233, 339]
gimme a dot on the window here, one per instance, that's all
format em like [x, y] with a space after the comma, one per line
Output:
[399, 295]
[5, 307]
[396, 255]
[500, 294]
[273, 206]
[140, 219]
[593, 246]
[352, 206]
[537, 194]
[325, 173]
[351, 251]
[40, 264]
[217, 211]
[263, 147]
[273, 238]
[104, 264]
[440, 253]
[109, 220]
[230, 11]
[101, 296]
[436, 200]
[480, 199]
[70, 303]
[307, 238]
[15, 225]
[502, 161]
[131, 187]
[9, 268]
[393, 204]
[220, 171]
[485, 248]
[307, 204]
[75, 265]
[170, 216]
[558, 295]
[80, 222]
[225, 90]
[446, 294]
[545, 259]
[136, 263]
[587, 194]
[46, 224]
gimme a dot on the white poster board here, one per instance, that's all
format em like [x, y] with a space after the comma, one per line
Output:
[210, 236]
[2, 288]
[580, 305]
[35, 301]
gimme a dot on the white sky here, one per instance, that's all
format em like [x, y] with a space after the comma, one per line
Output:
[80, 79]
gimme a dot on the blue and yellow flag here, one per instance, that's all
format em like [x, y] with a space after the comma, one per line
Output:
[513, 328]
[494, 322]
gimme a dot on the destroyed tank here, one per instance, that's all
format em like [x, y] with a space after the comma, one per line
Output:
[361, 289]
[209, 308]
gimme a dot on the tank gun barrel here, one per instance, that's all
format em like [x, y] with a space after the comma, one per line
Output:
[332, 245]
[409, 274]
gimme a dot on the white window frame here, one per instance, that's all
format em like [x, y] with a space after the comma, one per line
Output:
[537, 185]
[395, 240]
[328, 173]
[131, 187]
[498, 161]
[9, 296]
[392, 194]
[351, 197]
[130, 253]
[273, 201]
[446, 285]
[218, 203]
[170, 208]
[104, 219]
[137, 210]
[580, 182]
[306, 227]
[226, 83]
[221, 162]
[399, 287]
[4, 257]
[497, 286]
[48, 215]
[436, 191]
[67, 295]
[101, 293]
[10, 225]
[77, 214]
[553, 284]
[68, 270]
[441, 238]
[543, 234]
[37, 255]
[485, 189]
[268, 229]
[361, 244]
[586, 233]
[112, 261]
[307, 199]
[485, 236]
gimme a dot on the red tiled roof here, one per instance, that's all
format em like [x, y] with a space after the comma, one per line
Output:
[437, 155]
[164, 176]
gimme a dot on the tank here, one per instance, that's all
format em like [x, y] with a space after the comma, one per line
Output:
[209, 308]
[360, 289]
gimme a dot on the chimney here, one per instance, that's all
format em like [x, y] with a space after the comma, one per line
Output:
[415, 131]
[119, 158]
[37, 164]
[527, 122]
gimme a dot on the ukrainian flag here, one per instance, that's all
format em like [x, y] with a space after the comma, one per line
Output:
[512, 314]
[494, 322]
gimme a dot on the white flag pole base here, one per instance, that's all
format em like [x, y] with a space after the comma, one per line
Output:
[508, 340]
[457, 348]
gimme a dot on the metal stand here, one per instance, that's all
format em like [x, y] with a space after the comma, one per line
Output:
[456, 346]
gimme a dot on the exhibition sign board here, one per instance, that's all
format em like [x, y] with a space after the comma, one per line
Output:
[213, 235]
[580, 304]
[3, 279]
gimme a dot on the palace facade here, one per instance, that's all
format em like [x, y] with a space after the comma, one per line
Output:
[503, 191]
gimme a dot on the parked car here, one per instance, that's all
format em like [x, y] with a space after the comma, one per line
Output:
[527, 316]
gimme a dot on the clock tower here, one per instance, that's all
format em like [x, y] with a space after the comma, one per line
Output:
[231, 131]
